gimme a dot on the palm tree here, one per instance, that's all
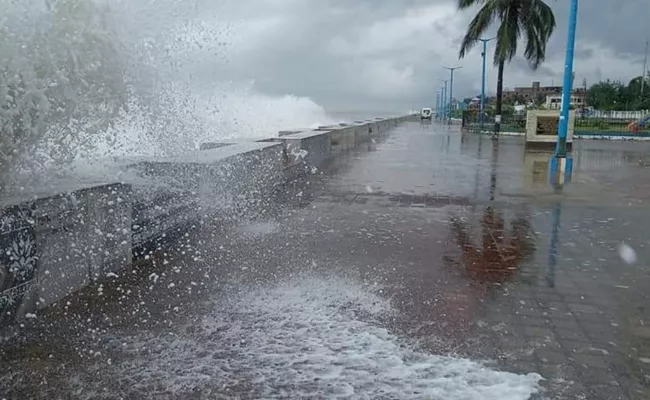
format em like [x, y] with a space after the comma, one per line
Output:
[533, 19]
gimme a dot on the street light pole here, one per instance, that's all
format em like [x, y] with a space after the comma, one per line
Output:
[560, 149]
[482, 112]
[561, 164]
[645, 64]
[444, 99]
[436, 102]
[451, 88]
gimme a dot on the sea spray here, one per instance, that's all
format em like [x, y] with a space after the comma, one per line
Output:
[83, 81]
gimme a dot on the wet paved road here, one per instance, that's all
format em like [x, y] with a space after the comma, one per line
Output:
[381, 278]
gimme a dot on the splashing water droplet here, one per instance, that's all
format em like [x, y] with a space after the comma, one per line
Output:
[627, 253]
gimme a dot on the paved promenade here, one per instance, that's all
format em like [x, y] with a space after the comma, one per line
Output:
[431, 265]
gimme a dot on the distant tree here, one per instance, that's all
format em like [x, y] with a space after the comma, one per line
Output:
[533, 19]
[637, 99]
[613, 95]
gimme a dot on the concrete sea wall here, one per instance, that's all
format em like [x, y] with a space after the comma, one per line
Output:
[54, 244]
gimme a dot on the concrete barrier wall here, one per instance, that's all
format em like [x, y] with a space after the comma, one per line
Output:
[316, 146]
[54, 245]
[177, 191]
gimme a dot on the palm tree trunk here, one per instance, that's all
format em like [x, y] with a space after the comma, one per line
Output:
[497, 117]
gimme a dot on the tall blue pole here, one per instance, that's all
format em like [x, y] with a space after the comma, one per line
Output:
[451, 92]
[444, 102]
[451, 89]
[483, 86]
[444, 99]
[563, 127]
[436, 102]
[482, 112]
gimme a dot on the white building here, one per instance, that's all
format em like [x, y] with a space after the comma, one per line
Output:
[554, 102]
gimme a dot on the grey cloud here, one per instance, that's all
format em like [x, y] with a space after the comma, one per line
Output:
[584, 53]
[296, 57]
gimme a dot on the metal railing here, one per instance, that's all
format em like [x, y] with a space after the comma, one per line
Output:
[584, 125]
[615, 115]
[509, 123]
[611, 126]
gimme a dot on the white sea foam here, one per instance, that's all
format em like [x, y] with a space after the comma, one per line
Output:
[306, 338]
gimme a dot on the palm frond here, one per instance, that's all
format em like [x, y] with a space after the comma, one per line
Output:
[478, 26]
[539, 24]
[533, 19]
[508, 33]
[535, 48]
[463, 4]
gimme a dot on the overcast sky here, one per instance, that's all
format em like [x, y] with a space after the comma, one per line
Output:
[389, 54]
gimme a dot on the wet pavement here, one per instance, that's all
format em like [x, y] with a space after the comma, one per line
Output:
[434, 264]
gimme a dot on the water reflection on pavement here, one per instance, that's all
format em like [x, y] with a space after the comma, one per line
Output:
[437, 265]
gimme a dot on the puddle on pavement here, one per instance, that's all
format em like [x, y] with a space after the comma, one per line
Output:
[501, 250]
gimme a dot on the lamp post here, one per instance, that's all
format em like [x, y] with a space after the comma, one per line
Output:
[436, 109]
[482, 112]
[451, 87]
[444, 99]
[645, 63]
[561, 165]
[560, 149]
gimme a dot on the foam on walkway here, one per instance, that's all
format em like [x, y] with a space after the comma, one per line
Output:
[308, 337]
